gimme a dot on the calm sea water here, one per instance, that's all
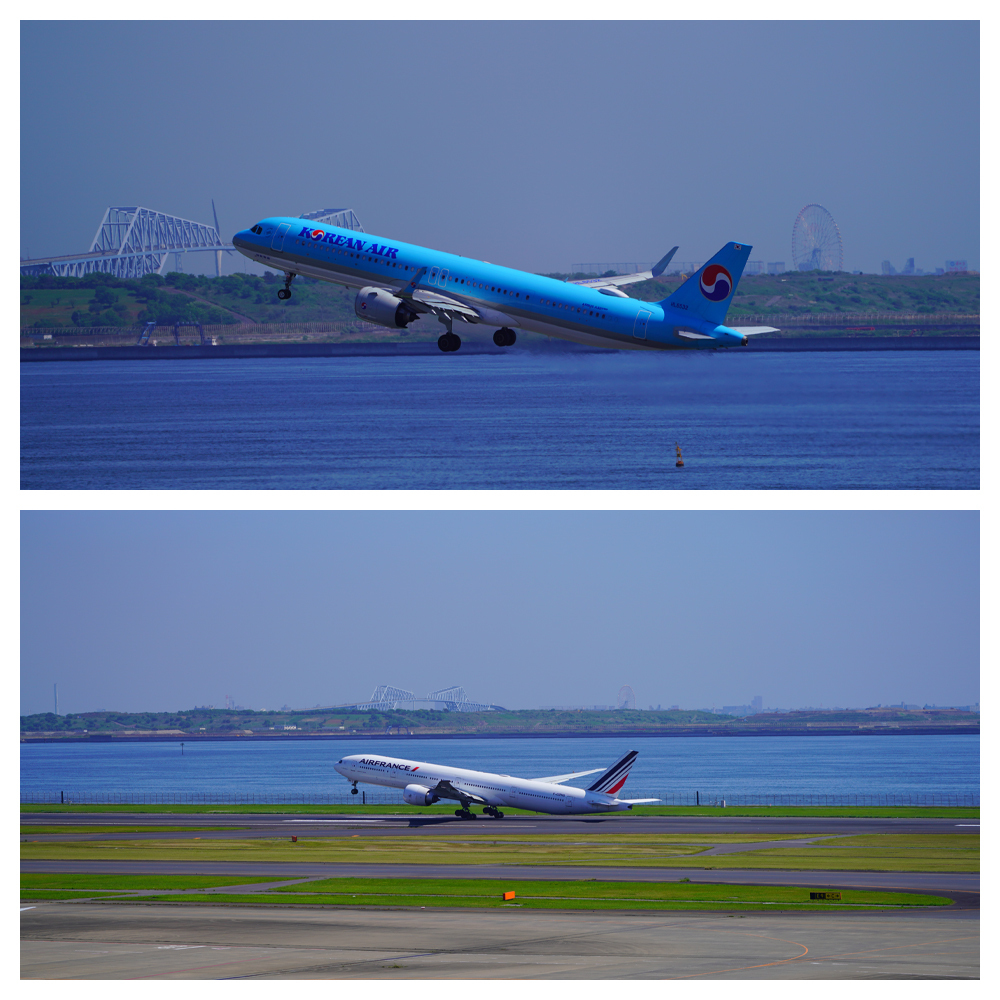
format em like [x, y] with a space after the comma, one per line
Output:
[892, 420]
[786, 765]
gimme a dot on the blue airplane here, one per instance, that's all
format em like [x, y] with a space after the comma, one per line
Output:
[399, 282]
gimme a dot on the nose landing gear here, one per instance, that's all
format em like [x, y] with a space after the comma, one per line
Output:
[286, 293]
[354, 790]
[504, 337]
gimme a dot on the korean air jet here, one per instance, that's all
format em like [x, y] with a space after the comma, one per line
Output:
[399, 282]
[424, 784]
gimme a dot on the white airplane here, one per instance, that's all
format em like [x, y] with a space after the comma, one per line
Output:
[424, 784]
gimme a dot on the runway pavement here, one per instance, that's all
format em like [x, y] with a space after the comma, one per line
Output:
[768, 828]
[135, 941]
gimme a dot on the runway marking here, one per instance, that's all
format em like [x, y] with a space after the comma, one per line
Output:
[350, 822]
[898, 947]
[763, 965]
[23, 908]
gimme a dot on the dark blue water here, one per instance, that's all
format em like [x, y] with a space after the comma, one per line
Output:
[883, 420]
[778, 765]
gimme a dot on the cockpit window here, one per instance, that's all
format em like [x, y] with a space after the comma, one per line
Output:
[258, 229]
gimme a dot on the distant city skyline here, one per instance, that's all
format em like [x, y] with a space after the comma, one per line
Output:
[599, 141]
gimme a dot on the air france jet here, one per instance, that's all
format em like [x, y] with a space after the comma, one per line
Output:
[424, 784]
[400, 282]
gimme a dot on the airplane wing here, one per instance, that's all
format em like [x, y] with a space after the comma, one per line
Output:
[558, 779]
[611, 284]
[446, 790]
[440, 304]
[752, 331]
[423, 300]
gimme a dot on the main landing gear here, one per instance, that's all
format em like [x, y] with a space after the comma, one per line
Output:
[286, 293]
[449, 342]
[465, 814]
[492, 811]
[504, 337]
[354, 790]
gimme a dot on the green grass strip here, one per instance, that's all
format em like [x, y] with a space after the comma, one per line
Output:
[485, 893]
[31, 831]
[61, 894]
[39, 880]
[950, 853]
[877, 812]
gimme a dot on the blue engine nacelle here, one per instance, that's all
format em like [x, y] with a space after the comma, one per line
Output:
[418, 795]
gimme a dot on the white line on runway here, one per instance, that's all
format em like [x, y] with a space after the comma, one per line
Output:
[350, 822]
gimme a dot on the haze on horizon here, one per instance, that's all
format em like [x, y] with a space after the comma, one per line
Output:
[166, 610]
[532, 144]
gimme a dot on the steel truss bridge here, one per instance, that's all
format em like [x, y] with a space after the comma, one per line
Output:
[386, 698]
[132, 241]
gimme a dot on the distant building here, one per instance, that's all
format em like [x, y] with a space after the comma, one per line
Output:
[956, 267]
[908, 267]
[776, 267]
[757, 703]
[887, 268]
[754, 267]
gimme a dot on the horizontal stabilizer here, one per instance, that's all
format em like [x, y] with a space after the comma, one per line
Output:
[558, 779]
[752, 331]
[636, 802]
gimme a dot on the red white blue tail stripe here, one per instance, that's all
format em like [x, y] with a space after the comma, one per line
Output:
[612, 780]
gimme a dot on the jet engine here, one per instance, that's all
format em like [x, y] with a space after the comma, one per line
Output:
[379, 306]
[418, 795]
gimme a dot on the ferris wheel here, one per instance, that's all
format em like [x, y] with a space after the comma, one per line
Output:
[626, 697]
[816, 242]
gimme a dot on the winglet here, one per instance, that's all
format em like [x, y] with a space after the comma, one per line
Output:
[661, 266]
[410, 287]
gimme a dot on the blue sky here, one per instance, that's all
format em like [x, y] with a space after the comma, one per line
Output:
[532, 144]
[167, 610]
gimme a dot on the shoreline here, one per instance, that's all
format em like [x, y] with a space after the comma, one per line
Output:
[430, 348]
[942, 730]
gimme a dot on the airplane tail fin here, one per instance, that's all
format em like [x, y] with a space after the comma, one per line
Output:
[708, 292]
[614, 777]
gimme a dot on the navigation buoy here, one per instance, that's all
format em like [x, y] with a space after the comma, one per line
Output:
[680, 460]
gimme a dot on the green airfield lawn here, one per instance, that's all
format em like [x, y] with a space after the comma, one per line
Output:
[875, 852]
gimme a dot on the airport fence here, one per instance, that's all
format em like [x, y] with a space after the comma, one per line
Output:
[392, 798]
